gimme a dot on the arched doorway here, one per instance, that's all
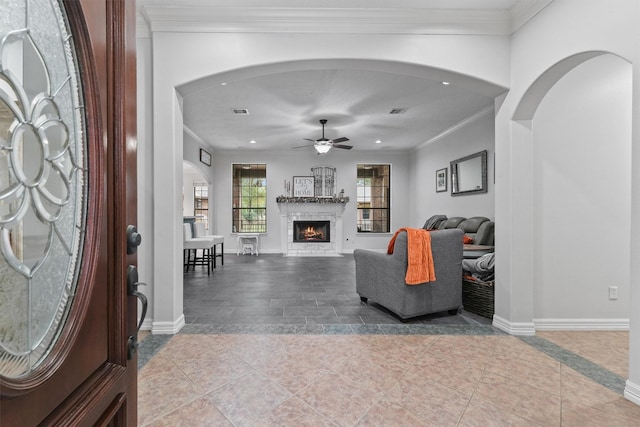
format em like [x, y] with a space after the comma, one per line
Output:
[575, 121]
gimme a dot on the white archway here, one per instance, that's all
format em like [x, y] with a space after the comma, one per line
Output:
[518, 306]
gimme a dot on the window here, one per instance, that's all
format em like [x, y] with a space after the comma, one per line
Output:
[249, 198]
[201, 202]
[373, 192]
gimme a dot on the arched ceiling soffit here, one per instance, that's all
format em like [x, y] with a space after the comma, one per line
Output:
[286, 100]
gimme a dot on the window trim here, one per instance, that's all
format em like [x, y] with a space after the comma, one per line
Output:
[237, 225]
[371, 210]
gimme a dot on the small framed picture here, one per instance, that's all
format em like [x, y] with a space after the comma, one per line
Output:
[441, 180]
[205, 157]
[303, 186]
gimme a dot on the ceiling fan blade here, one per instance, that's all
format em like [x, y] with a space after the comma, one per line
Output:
[307, 139]
[303, 146]
[345, 147]
[339, 140]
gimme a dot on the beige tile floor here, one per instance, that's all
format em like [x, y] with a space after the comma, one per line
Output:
[380, 380]
[608, 349]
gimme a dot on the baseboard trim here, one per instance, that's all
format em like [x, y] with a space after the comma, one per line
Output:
[581, 324]
[168, 328]
[514, 328]
[147, 325]
[632, 392]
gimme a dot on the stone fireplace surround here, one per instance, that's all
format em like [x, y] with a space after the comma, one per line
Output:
[311, 210]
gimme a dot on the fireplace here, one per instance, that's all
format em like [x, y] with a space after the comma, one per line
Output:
[311, 231]
[293, 211]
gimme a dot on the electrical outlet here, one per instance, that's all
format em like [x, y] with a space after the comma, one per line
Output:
[613, 292]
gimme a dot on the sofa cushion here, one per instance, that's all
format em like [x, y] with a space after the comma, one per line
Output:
[471, 225]
[434, 222]
[485, 234]
[452, 222]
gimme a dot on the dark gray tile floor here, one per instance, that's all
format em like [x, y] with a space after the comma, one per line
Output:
[274, 290]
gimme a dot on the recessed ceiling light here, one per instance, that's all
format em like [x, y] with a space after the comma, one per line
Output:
[446, 83]
[253, 141]
[223, 84]
[240, 111]
[378, 141]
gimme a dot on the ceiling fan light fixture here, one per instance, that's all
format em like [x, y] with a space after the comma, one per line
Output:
[322, 148]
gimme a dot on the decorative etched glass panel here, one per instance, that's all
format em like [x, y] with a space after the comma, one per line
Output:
[42, 180]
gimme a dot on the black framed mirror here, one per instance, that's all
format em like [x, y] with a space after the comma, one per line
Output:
[469, 174]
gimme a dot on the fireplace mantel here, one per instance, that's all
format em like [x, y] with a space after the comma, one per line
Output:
[320, 200]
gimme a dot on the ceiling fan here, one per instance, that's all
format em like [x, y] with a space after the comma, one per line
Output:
[323, 145]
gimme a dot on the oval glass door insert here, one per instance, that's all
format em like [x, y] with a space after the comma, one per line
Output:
[43, 180]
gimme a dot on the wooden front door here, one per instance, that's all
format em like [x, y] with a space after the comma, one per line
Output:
[67, 196]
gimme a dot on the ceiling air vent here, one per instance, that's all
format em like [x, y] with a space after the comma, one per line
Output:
[398, 111]
[241, 111]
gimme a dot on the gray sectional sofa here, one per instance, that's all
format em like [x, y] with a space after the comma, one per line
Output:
[479, 228]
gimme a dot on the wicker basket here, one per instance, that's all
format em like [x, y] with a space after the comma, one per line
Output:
[478, 297]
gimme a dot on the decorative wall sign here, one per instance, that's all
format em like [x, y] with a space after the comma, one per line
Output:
[303, 186]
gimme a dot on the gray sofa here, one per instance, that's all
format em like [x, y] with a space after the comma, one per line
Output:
[380, 277]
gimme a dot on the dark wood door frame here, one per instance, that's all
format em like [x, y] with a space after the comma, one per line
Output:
[88, 379]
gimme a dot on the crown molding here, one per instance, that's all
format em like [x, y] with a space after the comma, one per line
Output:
[196, 137]
[197, 16]
[457, 126]
[523, 11]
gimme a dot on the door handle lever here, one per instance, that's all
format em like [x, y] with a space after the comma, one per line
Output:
[132, 290]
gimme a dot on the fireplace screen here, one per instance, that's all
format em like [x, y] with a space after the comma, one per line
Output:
[311, 231]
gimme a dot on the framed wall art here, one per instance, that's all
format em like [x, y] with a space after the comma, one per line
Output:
[205, 157]
[441, 180]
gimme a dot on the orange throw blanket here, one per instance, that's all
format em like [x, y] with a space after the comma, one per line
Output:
[420, 268]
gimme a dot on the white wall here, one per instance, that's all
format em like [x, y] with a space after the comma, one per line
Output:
[283, 165]
[582, 176]
[542, 52]
[474, 137]
[543, 43]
